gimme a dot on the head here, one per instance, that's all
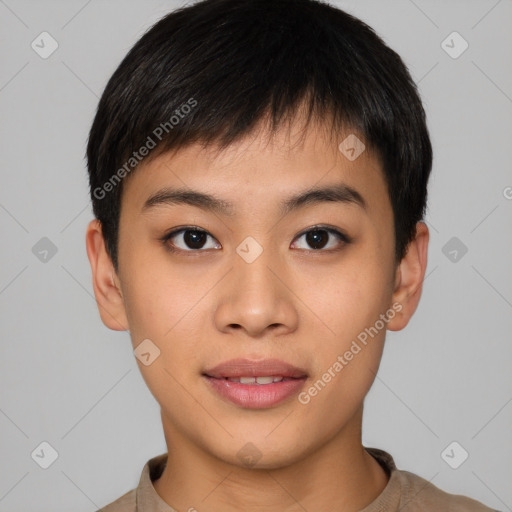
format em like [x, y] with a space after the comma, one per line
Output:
[309, 136]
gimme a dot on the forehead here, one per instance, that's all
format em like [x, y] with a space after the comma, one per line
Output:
[264, 167]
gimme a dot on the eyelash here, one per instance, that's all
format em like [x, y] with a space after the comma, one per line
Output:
[345, 239]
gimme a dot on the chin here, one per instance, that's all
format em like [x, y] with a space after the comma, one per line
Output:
[260, 453]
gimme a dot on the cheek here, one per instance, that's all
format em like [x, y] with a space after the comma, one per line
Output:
[347, 360]
[349, 301]
[351, 337]
[163, 307]
[155, 298]
[163, 312]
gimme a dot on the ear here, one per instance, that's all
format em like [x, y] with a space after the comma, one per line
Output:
[409, 277]
[108, 294]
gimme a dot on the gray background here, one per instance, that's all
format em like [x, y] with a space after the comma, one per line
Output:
[67, 380]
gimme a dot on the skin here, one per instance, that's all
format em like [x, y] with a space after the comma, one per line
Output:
[295, 303]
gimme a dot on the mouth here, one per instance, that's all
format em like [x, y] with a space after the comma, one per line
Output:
[255, 384]
[260, 380]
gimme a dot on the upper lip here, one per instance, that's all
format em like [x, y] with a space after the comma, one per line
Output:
[235, 368]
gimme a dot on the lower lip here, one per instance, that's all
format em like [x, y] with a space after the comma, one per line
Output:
[256, 396]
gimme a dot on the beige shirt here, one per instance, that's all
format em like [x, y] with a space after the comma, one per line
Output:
[405, 492]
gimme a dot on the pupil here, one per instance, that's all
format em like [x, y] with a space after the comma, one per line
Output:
[315, 238]
[194, 239]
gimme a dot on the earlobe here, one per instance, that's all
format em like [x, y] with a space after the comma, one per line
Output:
[409, 278]
[108, 294]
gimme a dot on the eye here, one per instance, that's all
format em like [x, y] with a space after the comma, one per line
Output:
[318, 238]
[193, 239]
[188, 239]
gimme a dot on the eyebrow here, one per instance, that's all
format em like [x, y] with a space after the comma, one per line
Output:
[339, 193]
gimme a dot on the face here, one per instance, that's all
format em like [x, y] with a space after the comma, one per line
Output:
[250, 274]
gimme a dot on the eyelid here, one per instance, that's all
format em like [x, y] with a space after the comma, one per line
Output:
[326, 227]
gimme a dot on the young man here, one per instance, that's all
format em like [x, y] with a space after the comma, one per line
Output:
[259, 171]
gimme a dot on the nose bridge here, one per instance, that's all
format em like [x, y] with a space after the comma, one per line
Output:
[252, 272]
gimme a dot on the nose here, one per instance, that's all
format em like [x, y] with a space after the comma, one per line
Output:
[256, 298]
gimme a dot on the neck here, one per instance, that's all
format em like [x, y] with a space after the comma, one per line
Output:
[339, 475]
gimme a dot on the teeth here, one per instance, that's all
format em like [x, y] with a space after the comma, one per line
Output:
[265, 380]
[256, 380]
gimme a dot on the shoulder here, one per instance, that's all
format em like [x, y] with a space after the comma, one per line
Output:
[420, 495]
[126, 503]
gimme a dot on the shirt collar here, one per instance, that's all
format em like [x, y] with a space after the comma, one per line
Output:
[147, 499]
